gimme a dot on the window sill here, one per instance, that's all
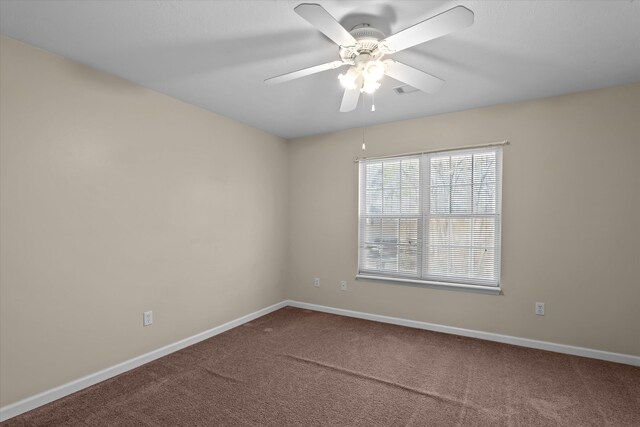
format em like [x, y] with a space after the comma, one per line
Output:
[493, 290]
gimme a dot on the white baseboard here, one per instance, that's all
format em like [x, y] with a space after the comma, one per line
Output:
[56, 393]
[507, 339]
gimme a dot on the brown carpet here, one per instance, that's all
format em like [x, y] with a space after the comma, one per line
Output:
[303, 368]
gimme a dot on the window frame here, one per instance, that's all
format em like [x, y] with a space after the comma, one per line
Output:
[424, 213]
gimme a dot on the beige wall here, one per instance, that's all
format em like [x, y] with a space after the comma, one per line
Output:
[114, 200]
[571, 211]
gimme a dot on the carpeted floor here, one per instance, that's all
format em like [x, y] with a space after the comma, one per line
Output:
[305, 368]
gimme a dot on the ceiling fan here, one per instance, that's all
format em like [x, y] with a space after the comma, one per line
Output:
[364, 46]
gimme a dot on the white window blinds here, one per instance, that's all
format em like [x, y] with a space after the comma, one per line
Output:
[432, 218]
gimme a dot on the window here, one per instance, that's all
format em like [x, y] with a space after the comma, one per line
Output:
[432, 218]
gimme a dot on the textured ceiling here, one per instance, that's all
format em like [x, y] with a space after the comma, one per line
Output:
[216, 54]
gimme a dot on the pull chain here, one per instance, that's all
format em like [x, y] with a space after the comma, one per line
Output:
[364, 125]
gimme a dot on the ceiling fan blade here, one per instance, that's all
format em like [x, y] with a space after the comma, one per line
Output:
[437, 26]
[317, 16]
[304, 72]
[412, 76]
[350, 99]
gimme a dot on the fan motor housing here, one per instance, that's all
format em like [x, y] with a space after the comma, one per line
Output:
[367, 38]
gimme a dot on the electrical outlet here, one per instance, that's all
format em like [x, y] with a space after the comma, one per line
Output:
[539, 309]
[316, 282]
[343, 285]
[147, 318]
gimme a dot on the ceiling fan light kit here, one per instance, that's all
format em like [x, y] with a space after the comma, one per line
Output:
[365, 75]
[363, 48]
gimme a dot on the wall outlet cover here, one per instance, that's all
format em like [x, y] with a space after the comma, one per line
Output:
[147, 318]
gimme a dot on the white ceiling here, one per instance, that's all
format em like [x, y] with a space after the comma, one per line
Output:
[216, 54]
